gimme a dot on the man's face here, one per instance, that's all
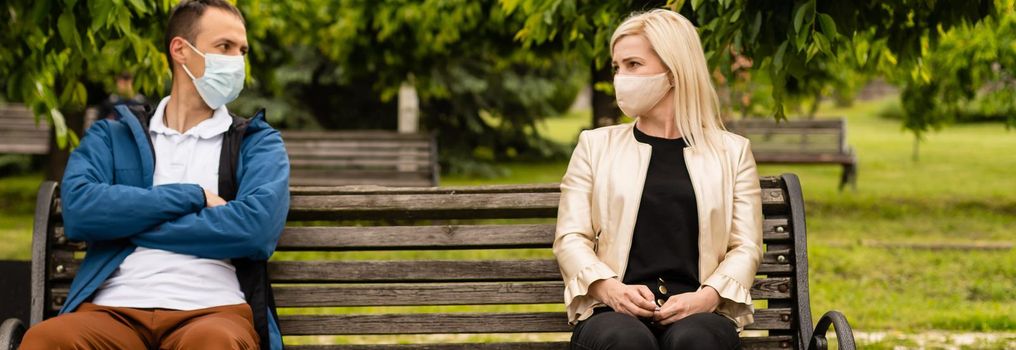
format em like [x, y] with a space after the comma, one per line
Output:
[218, 32]
[124, 86]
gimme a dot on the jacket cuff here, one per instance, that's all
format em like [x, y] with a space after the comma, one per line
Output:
[579, 286]
[729, 289]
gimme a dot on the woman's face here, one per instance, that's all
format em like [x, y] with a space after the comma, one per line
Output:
[633, 55]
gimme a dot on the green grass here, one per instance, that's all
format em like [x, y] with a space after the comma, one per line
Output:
[960, 191]
[17, 205]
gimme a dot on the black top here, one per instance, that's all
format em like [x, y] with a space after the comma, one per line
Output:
[665, 242]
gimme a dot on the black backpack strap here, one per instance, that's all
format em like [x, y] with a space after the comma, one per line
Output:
[229, 158]
[143, 113]
[252, 274]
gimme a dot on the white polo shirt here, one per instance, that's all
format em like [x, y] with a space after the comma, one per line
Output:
[154, 278]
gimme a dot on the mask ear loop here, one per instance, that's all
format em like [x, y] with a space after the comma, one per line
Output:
[189, 74]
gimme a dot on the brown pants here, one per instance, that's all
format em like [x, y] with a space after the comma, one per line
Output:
[103, 327]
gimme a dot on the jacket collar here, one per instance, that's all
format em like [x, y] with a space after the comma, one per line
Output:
[218, 124]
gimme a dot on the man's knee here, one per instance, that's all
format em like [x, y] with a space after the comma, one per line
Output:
[218, 334]
[49, 334]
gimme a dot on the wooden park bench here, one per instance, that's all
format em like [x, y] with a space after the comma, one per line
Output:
[362, 157]
[800, 142]
[19, 134]
[511, 229]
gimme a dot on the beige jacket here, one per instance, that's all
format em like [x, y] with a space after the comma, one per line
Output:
[600, 196]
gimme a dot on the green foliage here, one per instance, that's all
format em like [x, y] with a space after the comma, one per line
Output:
[970, 70]
[479, 90]
[803, 46]
[53, 49]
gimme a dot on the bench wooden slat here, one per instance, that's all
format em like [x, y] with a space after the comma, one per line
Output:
[361, 163]
[414, 271]
[355, 153]
[363, 190]
[417, 237]
[445, 270]
[351, 135]
[413, 180]
[438, 237]
[444, 323]
[748, 343]
[505, 205]
[486, 293]
[833, 158]
[351, 271]
[336, 158]
[38, 148]
[471, 293]
[446, 206]
[363, 143]
[332, 238]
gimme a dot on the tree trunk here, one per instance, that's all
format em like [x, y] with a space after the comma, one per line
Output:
[917, 149]
[605, 111]
[57, 158]
[815, 105]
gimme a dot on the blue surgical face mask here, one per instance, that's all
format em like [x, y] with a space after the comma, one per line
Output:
[223, 79]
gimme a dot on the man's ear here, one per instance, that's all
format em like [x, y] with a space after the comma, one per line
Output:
[177, 50]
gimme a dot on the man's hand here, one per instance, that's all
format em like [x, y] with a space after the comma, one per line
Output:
[687, 304]
[636, 301]
[213, 200]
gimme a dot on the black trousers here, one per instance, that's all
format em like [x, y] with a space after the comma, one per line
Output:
[607, 329]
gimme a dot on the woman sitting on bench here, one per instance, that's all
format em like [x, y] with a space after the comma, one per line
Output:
[659, 231]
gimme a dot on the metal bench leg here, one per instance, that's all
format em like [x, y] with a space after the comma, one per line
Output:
[844, 333]
[849, 175]
[11, 332]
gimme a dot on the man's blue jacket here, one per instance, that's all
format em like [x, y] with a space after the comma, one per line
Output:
[109, 202]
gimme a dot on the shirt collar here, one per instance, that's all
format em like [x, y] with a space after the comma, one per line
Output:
[219, 123]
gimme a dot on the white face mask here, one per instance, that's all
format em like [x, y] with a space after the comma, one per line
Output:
[223, 79]
[637, 94]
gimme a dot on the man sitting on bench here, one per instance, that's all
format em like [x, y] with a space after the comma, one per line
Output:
[180, 208]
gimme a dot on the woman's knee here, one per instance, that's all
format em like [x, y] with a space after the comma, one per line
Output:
[701, 331]
[612, 330]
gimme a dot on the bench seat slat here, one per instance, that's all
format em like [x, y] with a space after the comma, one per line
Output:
[64, 267]
[416, 294]
[487, 293]
[442, 323]
[748, 343]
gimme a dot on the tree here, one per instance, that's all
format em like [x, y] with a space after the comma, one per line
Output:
[479, 90]
[798, 44]
[58, 55]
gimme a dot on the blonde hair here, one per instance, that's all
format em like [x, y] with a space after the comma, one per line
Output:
[676, 42]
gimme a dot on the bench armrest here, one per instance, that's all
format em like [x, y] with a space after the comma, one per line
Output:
[844, 334]
[11, 332]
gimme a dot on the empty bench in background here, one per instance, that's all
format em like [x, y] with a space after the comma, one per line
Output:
[19, 133]
[362, 157]
[821, 141]
[518, 267]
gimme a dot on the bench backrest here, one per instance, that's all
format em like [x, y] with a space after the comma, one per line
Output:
[363, 157]
[20, 134]
[477, 259]
[793, 136]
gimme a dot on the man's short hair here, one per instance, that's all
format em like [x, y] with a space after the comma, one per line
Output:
[183, 20]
